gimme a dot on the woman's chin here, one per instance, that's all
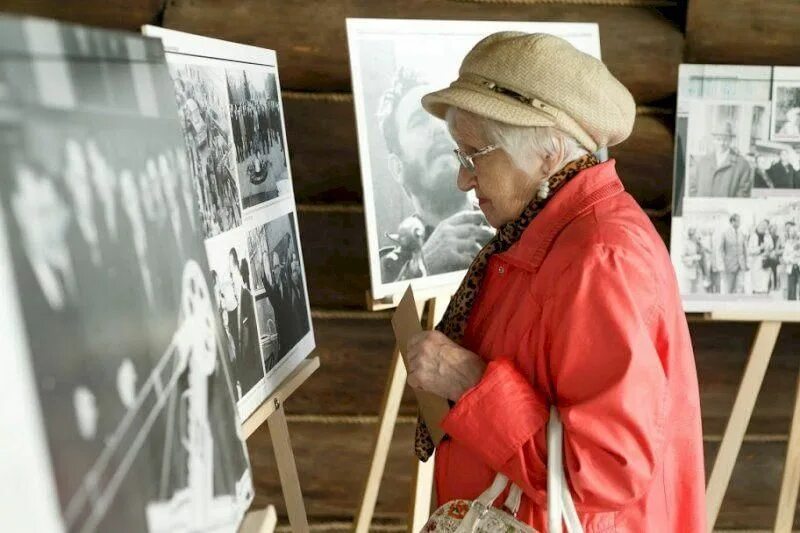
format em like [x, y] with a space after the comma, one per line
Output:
[491, 217]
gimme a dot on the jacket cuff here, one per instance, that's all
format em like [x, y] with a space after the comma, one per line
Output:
[498, 416]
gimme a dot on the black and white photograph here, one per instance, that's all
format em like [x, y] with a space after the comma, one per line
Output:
[258, 133]
[786, 105]
[131, 414]
[245, 79]
[420, 227]
[202, 96]
[736, 189]
[740, 250]
[728, 142]
[280, 288]
[233, 291]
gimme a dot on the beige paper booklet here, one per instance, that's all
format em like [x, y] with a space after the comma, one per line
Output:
[406, 324]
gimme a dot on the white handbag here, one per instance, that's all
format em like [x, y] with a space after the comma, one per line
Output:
[479, 516]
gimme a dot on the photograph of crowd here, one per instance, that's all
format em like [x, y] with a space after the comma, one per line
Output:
[420, 226]
[279, 286]
[230, 279]
[258, 135]
[202, 98]
[740, 248]
[110, 273]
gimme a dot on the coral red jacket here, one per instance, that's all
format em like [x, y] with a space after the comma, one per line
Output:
[584, 312]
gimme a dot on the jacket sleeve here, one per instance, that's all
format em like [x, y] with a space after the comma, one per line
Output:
[745, 183]
[607, 380]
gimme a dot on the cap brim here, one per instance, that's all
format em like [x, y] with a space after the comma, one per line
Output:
[484, 103]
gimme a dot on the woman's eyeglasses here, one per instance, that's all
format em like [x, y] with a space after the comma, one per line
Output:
[467, 160]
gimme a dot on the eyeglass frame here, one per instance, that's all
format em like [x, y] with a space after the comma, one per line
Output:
[467, 160]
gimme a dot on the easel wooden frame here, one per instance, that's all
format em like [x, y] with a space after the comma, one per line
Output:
[436, 301]
[271, 411]
[752, 379]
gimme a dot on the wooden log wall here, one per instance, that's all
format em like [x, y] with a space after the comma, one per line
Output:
[333, 417]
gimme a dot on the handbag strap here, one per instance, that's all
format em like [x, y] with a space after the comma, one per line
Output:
[559, 499]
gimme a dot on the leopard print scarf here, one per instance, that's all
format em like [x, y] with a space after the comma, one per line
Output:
[455, 317]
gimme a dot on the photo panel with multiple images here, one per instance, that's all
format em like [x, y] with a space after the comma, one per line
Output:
[737, 187]
[129, 421]
[229, 97]
[421, 229]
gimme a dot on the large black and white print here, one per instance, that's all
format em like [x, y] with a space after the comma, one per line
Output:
[122, 346]
[420, 226]
[280, 288]
[258, 133]
[242, 79]
[201, 92]
[233, 292]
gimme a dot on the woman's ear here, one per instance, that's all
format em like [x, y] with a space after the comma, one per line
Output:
[554, 160]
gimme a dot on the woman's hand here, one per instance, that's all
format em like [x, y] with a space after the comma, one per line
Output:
[439, 366]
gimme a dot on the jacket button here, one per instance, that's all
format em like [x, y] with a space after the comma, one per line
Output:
[502, 270]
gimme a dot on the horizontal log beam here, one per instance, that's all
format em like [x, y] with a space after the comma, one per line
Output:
[112, 14]
[641, 45]
[743, 32]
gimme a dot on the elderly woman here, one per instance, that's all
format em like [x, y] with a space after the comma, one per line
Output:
[574, 303]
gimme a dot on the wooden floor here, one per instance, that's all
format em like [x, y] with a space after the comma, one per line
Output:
[332, 418]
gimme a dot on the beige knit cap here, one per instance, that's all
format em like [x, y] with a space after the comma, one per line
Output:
[539, 79]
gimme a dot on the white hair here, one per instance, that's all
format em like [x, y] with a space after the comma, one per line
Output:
[523, 143]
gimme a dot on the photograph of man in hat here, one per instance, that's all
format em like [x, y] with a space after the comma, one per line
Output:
[722, 171]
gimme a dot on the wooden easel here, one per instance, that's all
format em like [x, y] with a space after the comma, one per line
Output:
[436, 301]
[758, 361]
[271, 411]
[422, 473]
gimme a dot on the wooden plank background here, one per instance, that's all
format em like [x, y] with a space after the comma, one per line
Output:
[333, 416]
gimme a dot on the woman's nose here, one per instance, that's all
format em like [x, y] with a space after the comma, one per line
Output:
[466, 180]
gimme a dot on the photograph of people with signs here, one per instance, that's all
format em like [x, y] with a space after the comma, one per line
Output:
[108, 264]
[258, 134]
[202, 97]
[280, 286]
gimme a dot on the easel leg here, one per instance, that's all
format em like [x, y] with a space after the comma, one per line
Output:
[787, 502]
[760, 354]
[392, 397]
[421, 489]
[287, 470]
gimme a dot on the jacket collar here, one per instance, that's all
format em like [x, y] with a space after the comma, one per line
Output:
[578, 195]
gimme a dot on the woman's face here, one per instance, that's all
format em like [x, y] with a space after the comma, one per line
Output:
[502, 189]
